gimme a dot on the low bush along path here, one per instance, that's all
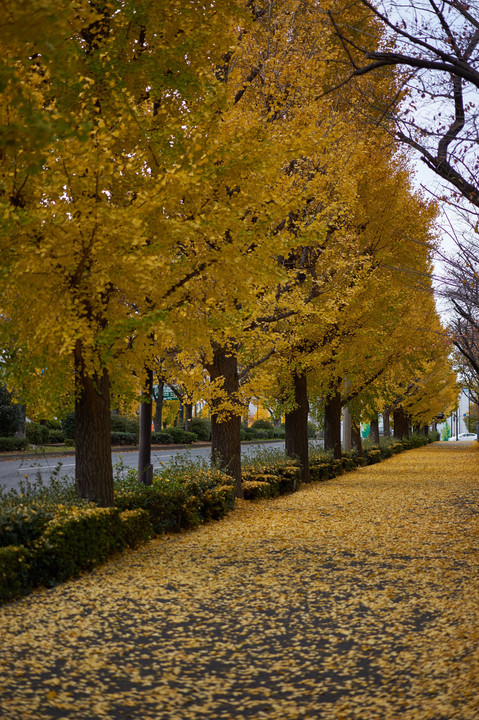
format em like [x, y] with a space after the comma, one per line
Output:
[354, 598]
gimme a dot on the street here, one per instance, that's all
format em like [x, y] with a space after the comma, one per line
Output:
[13, 471]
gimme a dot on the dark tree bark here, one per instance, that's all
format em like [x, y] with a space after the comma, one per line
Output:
[356, 440]
[296, 426]
[94, 472]
[386, 423]
[401, 422]
[158, 417]
[226, 425]
[145, 468]
[375, 430]
[22, 415]
[332, 424]
[188, 416]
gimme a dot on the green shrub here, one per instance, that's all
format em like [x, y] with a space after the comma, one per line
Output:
[10, 444]
[36, 434]
[123, 438]
[68, 425]
[386, 450]
[60, 536]
[260, 434]
[123, 424]
[289, 478]
[61, 542]
[183, 495]
[372, 455]
[11, 420]
[56, 436]
[320, 471]
[75, 540]
[167, 504]
[181, 436]
[202, 428]
[24, 523]
[53, 424]
[255, 489]
[14, 573]
[262, 425]
[350, 461]
[161, 438]
[136, 526]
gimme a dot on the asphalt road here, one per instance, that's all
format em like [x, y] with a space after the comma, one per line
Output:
[12, 472]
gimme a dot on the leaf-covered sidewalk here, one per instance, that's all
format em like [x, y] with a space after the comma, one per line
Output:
[354, 598]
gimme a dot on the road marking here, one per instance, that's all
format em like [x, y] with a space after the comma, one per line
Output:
[35, 468]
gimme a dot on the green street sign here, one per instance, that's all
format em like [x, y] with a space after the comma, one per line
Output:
[168, 393]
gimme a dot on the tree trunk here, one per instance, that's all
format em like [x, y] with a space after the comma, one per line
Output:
[347, 429]
[188, 416]
[225, 424]
[145, 468]
[296, 426]
[157, 419]
[332, 424]
[401, 422]
[94, 472]
[386, 423]
[374, 430]
[356, 439]
[22, 415]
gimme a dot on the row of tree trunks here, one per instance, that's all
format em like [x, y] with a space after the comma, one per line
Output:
[296, 426]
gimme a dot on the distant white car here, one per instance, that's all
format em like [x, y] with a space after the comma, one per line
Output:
[463, 436]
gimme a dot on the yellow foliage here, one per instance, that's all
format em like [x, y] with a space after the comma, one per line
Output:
[352, 598]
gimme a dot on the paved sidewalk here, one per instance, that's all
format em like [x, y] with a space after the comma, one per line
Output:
[354, 599]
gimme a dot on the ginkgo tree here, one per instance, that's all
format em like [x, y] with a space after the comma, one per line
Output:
[107, 213]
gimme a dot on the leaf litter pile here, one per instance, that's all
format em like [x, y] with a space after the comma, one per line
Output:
[357, 598]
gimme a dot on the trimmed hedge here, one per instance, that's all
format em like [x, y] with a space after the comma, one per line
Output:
[14, 572]
[180, 435]
[74, 540]
[161, 438]
[49, 542]
[254, 489]
[174, 504]
[174, 435]
[277, 477]
[124, 438]
[10, 444]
